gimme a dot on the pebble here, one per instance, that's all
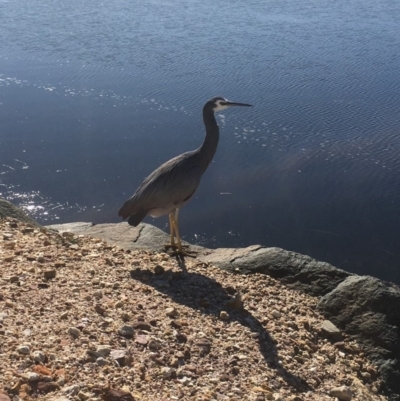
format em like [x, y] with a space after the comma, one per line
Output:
[126, 331]
[224, 315]
[98, 294]
[276, 314]
[167, 372]
[38, 356]
[32, 377]
[23, 349]
[74, 332]
[171, 312]
[103, 350]
[49, 274]
[71, 390]
[101, 361]
[331, 330]
[343, 393]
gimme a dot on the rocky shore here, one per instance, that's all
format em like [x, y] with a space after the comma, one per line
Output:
[103, 312]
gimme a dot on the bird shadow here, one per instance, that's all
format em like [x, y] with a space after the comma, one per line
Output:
[208, 296]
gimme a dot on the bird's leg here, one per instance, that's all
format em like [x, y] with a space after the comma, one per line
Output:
[178, 237]
[172, 231]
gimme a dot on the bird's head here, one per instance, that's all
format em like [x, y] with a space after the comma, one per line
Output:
[219, 103]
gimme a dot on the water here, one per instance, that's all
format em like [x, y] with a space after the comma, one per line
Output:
[94, 96]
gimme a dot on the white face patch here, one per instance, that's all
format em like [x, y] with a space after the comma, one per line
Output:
[219, 106]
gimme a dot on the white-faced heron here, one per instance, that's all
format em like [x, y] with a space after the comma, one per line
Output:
[172, 185]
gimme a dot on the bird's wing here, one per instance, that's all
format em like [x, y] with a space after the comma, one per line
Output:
[172, 183]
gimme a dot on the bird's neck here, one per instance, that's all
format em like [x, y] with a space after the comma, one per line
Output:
[210, 144]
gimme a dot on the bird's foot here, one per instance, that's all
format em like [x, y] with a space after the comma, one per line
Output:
[182, 253]
[174, 246]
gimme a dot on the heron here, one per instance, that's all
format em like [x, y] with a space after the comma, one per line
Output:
[171, 186]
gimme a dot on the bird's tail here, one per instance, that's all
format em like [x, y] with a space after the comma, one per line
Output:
[135, 219]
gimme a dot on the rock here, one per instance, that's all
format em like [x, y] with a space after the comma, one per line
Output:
[154, 345]
[32, 377]
[142, 326]
[276, 314]
[103, 350]
[367, 309]
[14, 279]
[71, 390]
[144, 236]
[126, 331]
[113, 394]
[100, 309]
[235, 302]
[224, 315]
[7, 209]
[331, 331]
[23, 349]
[293, 269]
[119, 355]
[142, 339]
[343, 393]
[74, 332]
[171, 312]
[38, 356]
[158, 270]
[168, 373]
[49, 274]
[101, 361]
[46, 387]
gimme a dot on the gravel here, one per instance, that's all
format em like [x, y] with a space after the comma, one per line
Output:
[142, 325]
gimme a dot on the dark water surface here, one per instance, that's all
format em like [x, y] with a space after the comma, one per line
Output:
[94, 96]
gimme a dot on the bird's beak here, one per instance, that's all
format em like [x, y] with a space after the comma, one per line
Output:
[229, 104]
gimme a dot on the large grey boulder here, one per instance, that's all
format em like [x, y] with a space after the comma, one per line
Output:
[369, 310]
[7, 209]
[293, 269]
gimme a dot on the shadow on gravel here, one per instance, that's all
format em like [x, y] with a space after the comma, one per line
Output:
[208, 296]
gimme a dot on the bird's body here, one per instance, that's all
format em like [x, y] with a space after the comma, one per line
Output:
[172, 185]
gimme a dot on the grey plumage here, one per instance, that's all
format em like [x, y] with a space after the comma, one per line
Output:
[171, 185]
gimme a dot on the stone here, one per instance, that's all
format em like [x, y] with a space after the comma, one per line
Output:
[32, 377]
[168, 372]
[171, 312]
[23, 349]
[224, 315]
[343, 393]
[71, 390]
[103, 350]
[38, 356]
[74, 332]
[126, 331]
[47, 387]
[331, 331]
[276, 314]
[142, 326]
[101, 361]
[49, 274]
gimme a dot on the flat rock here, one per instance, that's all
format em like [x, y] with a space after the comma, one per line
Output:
[144, 236]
